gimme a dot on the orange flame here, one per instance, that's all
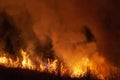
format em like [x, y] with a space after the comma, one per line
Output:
[96, 64]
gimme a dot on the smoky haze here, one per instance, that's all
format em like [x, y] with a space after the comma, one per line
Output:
[66, 27]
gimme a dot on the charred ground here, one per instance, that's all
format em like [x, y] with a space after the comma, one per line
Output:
[25, 74]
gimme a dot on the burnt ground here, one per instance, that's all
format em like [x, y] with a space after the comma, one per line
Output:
[25, 74]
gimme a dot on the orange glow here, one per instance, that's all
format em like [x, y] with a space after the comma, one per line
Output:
[96, 64]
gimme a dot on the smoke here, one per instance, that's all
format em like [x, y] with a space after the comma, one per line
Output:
[69, 28]
[16, 33]
[9, 34]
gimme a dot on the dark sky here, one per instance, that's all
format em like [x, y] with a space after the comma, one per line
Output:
[64, 22]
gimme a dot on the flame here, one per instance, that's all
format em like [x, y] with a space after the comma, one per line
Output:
[79, 68]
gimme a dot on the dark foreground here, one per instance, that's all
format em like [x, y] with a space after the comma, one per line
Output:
[24, 74]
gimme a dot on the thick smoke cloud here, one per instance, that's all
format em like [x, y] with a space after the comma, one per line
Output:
[70, 24]
[16, 33]
[9, 34]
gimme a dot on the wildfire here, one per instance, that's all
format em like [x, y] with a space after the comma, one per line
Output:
[26, 61]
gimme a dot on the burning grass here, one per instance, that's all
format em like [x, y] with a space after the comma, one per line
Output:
[84, 69]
